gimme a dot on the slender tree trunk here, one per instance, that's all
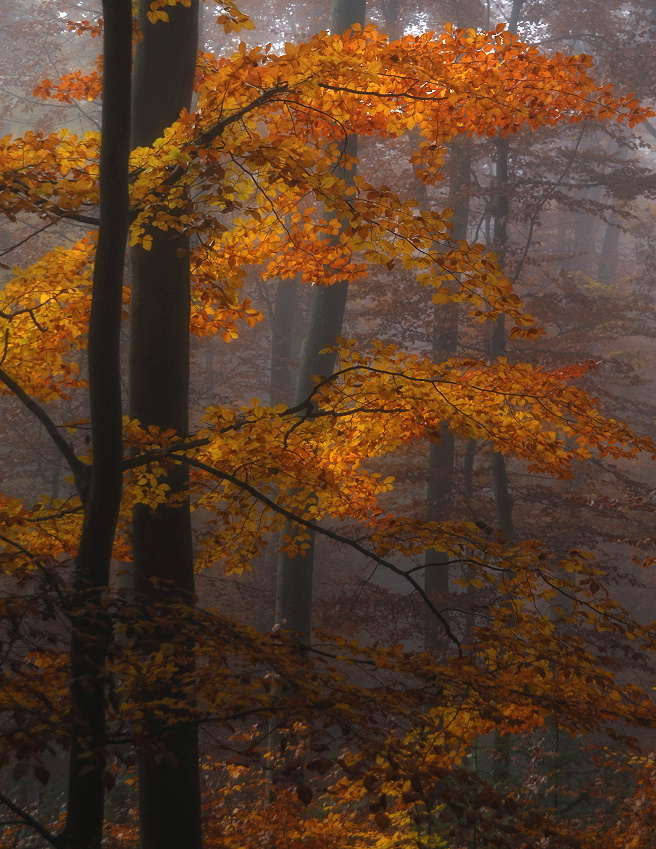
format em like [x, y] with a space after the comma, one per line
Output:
[445, 344]
[91, 633]
[169, 787]
[285, 345]
[502, 499]
[390, 10]
[609, 255]
[283, 348]
[609, 258]
[294, 581]
[468, 470]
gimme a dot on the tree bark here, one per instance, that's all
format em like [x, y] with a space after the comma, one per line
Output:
[169, 787]
[91, 631]
[295, 574]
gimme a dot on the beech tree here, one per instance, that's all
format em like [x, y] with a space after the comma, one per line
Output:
[251, 175]
[160, 304]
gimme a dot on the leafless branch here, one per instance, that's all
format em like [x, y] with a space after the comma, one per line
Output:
[81, 471]
[293, 517]
[28, 819]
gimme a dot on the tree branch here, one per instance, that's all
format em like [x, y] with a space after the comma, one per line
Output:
[40, 566]
[81, 471]
[163, 453]
[246, 487]
[28, 819]
[649, 127]
[26, 239]
[207, 136]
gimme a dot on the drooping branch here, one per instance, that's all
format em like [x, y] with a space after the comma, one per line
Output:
[650, 128]
[208, 135]
[18, 244]
[547, 195]
[31, 821]
[162, 453]
[52, 582]
[81, 471]
[293, 517]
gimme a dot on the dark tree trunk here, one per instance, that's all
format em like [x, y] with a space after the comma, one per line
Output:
[169, 787]
[91, 631]
[502, 499]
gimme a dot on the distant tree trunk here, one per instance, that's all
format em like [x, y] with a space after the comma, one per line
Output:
[468, 470]
[609, 257]
[169, 787]
[609, 254]
[294, 580]
[502, 499]
[470, 13]
[91, 633]
[283, 338]
[285, 345]
[445, 345]
[390, 10]
[498, 332]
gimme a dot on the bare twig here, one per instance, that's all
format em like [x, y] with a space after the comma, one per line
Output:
[81, 471]
[293, 517]
[28, 819]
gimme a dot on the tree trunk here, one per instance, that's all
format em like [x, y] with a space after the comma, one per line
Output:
[502, 499]
[283, 337]
[285, 344]
[468, 470]
[169, 787]
[294, 580]
[445, 345]
[91, 633]
[390, 11]
[609, 255]
[609, 258]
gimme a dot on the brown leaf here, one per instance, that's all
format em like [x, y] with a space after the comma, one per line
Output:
[382, 820]
[42, 774]
[304, 793]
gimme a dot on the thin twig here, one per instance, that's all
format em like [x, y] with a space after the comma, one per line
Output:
[28, 819]
[293, 517]
[81, 471]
